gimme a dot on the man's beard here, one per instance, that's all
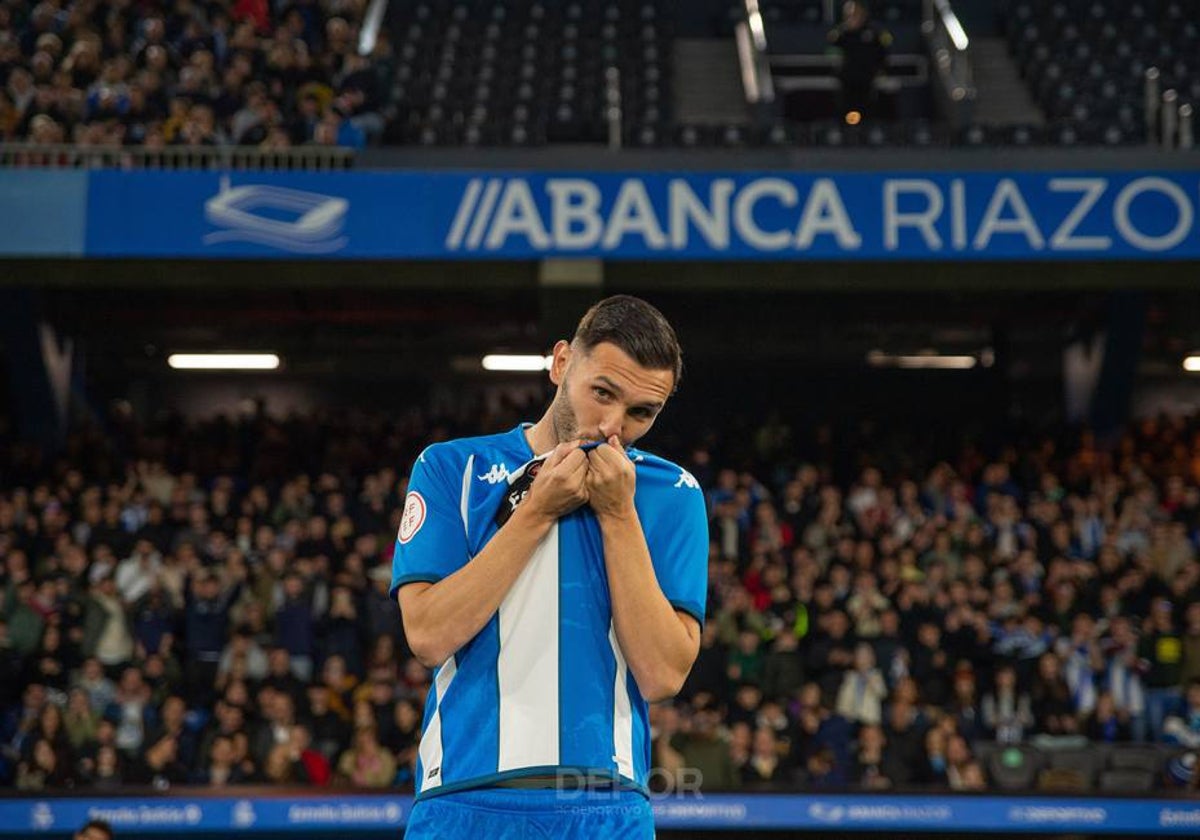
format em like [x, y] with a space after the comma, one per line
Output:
[566, 427]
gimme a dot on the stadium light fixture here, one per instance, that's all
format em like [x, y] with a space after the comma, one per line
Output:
[1192, 364]
[223, 361]
[921, 361]
[508, 363]
[957, 34]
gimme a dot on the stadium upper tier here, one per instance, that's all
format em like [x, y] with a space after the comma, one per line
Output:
[1086, 61]
[622, 73]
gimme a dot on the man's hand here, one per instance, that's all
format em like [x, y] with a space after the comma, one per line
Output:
[561, 483]
[611, 479]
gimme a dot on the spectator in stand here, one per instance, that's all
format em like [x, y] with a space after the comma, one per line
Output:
[295, 626]
[871, 770]
[821, 739]
[1191, 643]
[864, 49]
[764, 765]
[313, 766]
[1007, 712]
[702, 748]
[1183, 727]
[159, 765]
[1122, 677]
[206, 626]
[366, 764]
[1161, 651]
[222, 767]
[1054, 707]
[1106, 724]
[860, 698]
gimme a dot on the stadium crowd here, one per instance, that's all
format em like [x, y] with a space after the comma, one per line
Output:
[189, 72]
[207, 604]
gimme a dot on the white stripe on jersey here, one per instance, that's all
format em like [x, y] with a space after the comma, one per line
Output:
[431, 742]
[464, 502]
[622, 711]
[527, 666]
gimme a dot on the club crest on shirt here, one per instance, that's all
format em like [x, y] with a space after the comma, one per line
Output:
[413, 517]
[518, 489]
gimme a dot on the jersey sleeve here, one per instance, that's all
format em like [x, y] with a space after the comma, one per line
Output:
[677, 537]
[432, 540]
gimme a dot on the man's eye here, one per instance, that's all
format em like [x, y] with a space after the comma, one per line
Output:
[601, 393]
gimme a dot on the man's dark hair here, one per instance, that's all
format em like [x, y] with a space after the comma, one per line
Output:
[99, 825]
[635, 327]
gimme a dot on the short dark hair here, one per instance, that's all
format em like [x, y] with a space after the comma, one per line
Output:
[635, 327]
[100, 825]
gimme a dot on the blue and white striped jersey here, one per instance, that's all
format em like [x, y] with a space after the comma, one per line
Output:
[543, 687]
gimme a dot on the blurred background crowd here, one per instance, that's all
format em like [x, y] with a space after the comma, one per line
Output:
[206, 603]
[189, 73]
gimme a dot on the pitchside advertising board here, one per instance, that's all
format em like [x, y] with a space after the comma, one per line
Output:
[173, 816]
[620, 216]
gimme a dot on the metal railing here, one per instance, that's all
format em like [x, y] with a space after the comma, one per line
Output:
[368, 35]
[613, 115]
[751, 38]
[1169, 122]
[305, 159]
[949, 47]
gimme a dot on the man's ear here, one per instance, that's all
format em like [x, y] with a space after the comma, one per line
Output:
[562, 357]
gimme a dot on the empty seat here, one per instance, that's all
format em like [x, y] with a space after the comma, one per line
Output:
[1126, 780]
[1149, 759]
[1076, 769]
[1014, 768]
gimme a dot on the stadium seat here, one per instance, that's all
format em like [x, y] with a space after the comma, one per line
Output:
[1077, 769]
[1126, 780]
[1083, 62]
[1014, 768]
[1147, 758]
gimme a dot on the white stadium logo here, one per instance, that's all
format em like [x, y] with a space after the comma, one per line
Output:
[311, 224]
[41, 816]
[825, 813]
[243, 814]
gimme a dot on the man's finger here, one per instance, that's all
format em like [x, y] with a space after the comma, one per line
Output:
[603, 454]
[573, 470]
[573, 461]
[561, 451]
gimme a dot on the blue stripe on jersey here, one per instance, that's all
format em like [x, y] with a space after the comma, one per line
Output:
[587, 664]
[471, 714]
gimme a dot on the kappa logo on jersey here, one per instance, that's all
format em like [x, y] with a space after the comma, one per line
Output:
[413, 517]
[498, 473]
[686, 479]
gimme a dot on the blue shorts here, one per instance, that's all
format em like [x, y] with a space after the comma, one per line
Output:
[499, 814]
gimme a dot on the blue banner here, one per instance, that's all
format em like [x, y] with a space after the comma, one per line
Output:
[42, 213]
[347, 814]
[642, 216]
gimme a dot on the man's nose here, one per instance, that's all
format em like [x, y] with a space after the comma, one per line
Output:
[611, 424]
